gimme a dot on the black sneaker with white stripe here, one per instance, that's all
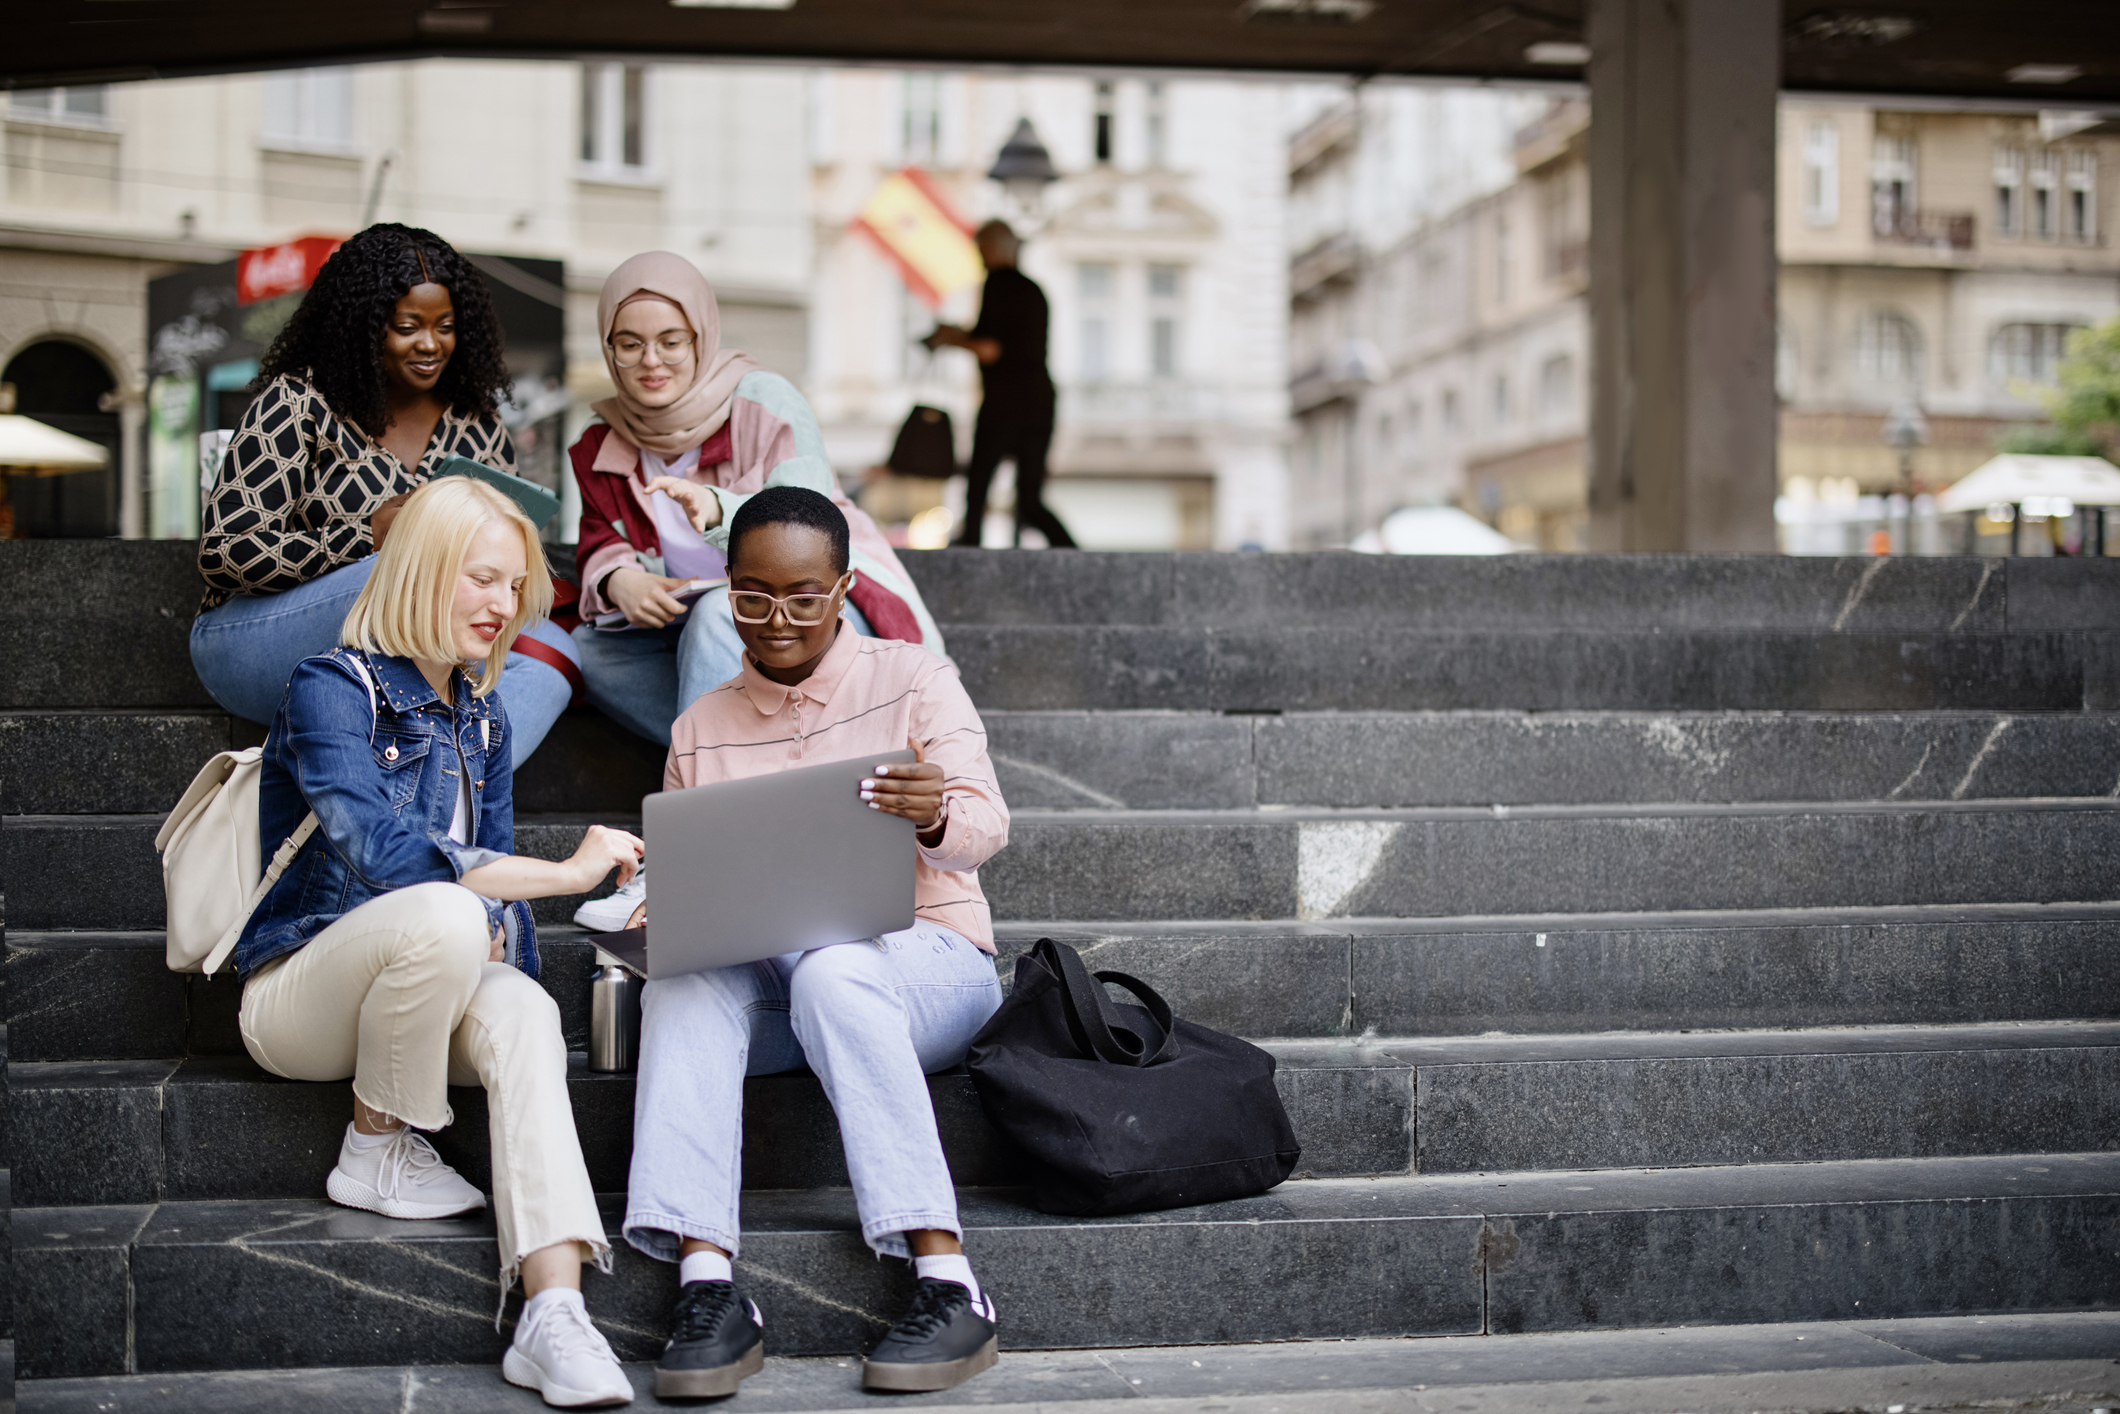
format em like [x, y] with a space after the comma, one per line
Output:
[942, 1341]
[717, 1340]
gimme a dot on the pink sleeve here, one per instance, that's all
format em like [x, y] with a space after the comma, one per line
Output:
[975, 817]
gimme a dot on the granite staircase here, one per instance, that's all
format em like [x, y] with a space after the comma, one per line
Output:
[1645, 941]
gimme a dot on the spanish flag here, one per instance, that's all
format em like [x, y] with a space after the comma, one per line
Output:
[912, 223]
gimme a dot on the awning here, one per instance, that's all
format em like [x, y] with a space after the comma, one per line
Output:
[2016, 477]
[31, 448]
[1434, 530]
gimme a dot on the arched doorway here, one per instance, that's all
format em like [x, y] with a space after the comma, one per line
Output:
[63, 384]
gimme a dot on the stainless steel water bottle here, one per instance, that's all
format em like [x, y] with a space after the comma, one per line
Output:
[614, 1019]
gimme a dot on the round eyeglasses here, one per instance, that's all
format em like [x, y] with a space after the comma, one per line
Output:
[628, 350]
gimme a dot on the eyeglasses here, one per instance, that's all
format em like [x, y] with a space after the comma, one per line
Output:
[628, 350]
[804, 609]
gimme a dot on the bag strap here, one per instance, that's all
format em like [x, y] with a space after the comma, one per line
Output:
[1091, 1009]
[289, 848]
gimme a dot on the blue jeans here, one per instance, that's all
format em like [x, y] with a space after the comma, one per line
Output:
[870, 1018]
[644, 678]
[247, 649]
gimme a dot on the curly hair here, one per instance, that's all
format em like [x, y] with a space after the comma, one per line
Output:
[356, 292]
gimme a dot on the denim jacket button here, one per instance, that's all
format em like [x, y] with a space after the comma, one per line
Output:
[390, 753]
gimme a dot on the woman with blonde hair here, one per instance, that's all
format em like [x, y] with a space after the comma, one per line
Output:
[398, 949]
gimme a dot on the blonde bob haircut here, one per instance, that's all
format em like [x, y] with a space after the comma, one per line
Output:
[404, 608]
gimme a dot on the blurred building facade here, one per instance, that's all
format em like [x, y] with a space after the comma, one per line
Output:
[1160, 250]
[1931, 263]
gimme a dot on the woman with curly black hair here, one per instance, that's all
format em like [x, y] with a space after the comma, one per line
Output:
[391, 365]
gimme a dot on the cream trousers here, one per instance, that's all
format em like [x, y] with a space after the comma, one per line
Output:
[399, 995]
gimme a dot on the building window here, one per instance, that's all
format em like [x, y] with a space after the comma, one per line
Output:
[1821, 173]
[2009, 191]
[1094, 282]
[1502, 409]
[1556, 387]
[1892, 184]
[1158, 125]
[1450, 411]
[615, 117]
[2046, 203]
[921, 120]
[1166, 309]
[1501, 257]
[1413, 428]
[2082, 198]
[1101, 123]
[309, 108]
[1888, 350]
[2027, 353]
[89, 103]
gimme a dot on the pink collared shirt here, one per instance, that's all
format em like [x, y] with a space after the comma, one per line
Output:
[869, 696]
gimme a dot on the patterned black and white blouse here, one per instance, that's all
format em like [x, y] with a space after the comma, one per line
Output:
[299, 482]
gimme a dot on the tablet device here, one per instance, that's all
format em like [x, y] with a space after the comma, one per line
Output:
[538, 503]
[775, 864]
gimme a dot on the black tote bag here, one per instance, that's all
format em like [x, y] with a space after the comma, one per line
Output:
[1124, 1108]
[926, 445]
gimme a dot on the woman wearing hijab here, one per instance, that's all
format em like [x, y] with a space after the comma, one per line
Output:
[692, 431]
[391, 365]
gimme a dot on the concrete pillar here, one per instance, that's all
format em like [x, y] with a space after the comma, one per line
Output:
[1682, 267]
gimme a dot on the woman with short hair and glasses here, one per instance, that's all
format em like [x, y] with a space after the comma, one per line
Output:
[692, 430]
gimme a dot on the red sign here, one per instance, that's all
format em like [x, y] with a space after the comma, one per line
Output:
[281, 269]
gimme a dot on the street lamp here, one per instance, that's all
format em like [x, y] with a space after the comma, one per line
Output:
[1024, 168]
[1905, 430]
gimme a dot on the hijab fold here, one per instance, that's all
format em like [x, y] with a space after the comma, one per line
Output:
[703, 408]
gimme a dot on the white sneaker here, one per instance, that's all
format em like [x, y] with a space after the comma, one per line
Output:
[609, 915]
[404, 1178]
[558, 1353]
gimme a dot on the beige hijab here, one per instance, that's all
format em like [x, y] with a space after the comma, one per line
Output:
[702, 409]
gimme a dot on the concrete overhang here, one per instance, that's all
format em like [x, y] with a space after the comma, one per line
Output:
[2063, 53]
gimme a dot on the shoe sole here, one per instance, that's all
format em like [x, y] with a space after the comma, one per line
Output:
[352, 1193]
[709, 1384]
[519, 1369]
[927, 1378]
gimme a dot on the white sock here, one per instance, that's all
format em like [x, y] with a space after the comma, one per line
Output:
[704, 1266]
[536, 1306]
[954, 1267]
[361, 1143]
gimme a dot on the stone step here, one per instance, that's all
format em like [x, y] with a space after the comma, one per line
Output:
[1521, 593]
[1298, 632]
[101, 872]
[80, 761]
[1946, 1362]
[240, 1285]
[107, 996]
[83, 762]
[218, 1127]
[1357, 666]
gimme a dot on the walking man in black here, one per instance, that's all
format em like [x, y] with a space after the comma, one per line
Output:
[1016, 412]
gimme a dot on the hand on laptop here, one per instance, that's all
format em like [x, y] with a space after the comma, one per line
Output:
[913, 791]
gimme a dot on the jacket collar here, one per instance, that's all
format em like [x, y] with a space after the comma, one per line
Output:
[769, 696]
[405, 687]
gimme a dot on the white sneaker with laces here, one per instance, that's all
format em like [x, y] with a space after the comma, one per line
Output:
[608, 915]
[558, 1353]
[404, 1178]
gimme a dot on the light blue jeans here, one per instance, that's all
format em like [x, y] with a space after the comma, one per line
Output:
[644, 678]
[247, 649]
[870, 1018]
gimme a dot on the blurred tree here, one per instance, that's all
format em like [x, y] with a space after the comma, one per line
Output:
[2083, 406]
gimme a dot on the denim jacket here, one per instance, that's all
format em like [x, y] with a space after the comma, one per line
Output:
[384, 787]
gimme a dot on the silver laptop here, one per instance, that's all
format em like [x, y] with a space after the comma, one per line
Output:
[773, 864]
